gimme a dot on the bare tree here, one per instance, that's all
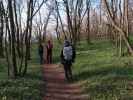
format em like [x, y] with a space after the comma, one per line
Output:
[75, 13]
[88, 5]
[1, 28]
[17, 37]
[12, 28]
[121, 32]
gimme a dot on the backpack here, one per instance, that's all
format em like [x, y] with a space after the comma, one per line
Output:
[68, 53]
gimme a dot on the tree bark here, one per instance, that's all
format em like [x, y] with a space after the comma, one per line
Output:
[12, 27]
[1, 28]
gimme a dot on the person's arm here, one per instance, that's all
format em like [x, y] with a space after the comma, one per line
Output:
[74, 53]
[39, 50]
[62, 57]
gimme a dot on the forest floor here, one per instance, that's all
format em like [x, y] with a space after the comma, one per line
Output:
[104, 74]
[57, 88]
[98, 71]
[24, 88]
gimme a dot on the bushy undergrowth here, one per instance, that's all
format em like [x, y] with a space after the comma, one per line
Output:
[20, 89]
[30, 87]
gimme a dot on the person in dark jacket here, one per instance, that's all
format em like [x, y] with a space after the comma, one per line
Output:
[67, 58]
[40, 51]
[49, 47]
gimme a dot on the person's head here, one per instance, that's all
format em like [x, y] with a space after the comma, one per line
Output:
[48, 41]
[66, 43]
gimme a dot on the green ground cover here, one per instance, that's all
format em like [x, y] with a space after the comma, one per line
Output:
[26, 88]
[105, 75]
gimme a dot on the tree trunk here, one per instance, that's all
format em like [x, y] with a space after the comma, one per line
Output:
[12, 27]
[1, 29]
[121, 32]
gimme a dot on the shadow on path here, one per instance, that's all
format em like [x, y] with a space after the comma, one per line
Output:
[57, 88]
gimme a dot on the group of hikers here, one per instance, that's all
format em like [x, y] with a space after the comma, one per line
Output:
[67, 56]
[45, 52]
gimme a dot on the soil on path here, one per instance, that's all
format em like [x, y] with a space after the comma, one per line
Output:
[57, 88]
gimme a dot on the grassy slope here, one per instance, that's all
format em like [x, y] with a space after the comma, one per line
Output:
[106, 76]
[27, 88]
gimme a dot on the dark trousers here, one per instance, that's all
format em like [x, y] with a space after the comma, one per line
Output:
[68, 71]
[41, 58]
[49, 57]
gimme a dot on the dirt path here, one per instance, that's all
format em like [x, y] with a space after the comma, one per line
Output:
[59, 89]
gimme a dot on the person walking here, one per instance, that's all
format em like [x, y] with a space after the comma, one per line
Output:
[67, 58]
[40, 51]
[49, 47]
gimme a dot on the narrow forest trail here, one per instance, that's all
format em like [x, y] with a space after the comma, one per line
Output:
[59, 89]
